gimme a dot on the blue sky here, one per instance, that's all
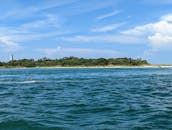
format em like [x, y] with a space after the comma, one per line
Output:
[86, 28]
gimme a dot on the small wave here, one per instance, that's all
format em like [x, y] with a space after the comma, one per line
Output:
[22, 82]
[8, 75]
[28, 82]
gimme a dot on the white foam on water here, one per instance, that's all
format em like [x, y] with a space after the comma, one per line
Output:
[22, 82]
[8, 75]
[28, 82]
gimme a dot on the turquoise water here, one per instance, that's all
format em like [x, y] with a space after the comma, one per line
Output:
[86, 99]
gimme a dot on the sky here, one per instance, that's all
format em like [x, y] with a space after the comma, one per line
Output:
[86, 28]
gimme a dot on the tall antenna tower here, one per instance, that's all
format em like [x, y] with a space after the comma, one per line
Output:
[11, 57]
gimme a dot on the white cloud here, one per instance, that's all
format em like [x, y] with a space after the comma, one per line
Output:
[107, 28]
[89, 6]
[158, 34]
[103, 38]
[160, 41]
[167, 17]
[9, 45]
[76, 7]
[139, 30]
[51, 51]
[81, 52]
[29, 11]
[12, 37]
[104, 16]
[49, 21]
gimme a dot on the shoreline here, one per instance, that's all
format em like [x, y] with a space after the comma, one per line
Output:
[58, 67]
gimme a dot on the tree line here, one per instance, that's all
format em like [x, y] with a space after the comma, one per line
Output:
[74, 61]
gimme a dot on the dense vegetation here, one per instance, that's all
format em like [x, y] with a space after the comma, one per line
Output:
[74, 61]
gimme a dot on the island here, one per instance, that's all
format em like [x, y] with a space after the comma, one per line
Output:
[74, 62]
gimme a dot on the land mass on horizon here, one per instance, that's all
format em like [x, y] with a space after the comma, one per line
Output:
[74, 62]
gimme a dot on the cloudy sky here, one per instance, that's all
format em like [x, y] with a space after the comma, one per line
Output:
[86, 28]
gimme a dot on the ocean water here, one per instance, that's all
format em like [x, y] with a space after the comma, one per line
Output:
[86, 99]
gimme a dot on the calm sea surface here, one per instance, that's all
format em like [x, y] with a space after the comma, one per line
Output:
[86, 99]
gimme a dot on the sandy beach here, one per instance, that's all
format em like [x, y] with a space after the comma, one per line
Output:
[146, 66]
[143, 66]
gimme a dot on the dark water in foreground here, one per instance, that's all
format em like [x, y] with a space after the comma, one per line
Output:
[86, 99]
